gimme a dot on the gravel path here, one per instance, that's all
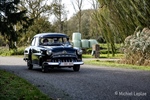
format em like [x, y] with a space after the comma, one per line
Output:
[90, 83]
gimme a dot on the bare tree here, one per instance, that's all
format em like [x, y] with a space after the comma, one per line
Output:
[94, 29]
[95, 4]
[77, 5]
[60, 14]
[37, 8]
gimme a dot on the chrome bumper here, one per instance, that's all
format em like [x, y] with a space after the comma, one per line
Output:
[64, 63]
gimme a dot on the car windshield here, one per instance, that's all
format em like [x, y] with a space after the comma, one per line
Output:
[54, 41]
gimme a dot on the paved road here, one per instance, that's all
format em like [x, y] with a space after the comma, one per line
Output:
[91, 83]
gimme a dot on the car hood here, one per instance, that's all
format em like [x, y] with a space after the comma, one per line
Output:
[60, 49]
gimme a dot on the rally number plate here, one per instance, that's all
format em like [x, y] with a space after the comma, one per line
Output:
[66, 64]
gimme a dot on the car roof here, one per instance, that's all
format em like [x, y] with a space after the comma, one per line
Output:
[46, 35]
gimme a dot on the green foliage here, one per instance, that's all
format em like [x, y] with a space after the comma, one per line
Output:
[12, 16]
[117, 56]
[102, 51]
[39, 11]
[60, 13]
[7, 52]
[36, 8]
[119, 19]
[137, 47]
[116, 64]
[2, 41]
[15, 88]
[73, 24]
[40, 25]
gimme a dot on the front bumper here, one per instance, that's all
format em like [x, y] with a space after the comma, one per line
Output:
[63, 63]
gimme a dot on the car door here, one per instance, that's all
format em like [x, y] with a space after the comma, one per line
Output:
[35, 51]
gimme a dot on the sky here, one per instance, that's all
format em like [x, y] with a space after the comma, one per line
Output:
[70, 9]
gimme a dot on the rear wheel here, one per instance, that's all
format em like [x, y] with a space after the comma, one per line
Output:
[29, 61]
[29, 65]
[76, 68]
[44, 68]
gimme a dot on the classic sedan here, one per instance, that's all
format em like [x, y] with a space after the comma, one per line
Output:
[52, 50]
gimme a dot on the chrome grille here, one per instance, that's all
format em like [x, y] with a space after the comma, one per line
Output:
[64, 60]
[63, 55]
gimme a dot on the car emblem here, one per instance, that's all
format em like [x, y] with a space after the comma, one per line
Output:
[64, 52]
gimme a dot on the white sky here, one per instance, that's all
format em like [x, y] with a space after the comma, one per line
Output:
[70, 9]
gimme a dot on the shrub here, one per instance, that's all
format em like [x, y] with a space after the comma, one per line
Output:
[7, 52]
[137, 48]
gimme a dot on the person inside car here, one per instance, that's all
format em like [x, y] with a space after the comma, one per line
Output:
[55, 40]
[45, 41]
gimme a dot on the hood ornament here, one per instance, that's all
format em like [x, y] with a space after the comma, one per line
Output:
[64, 52]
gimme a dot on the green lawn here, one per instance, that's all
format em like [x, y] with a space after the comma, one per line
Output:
[116, 64]
[13, 87]
[104, 56]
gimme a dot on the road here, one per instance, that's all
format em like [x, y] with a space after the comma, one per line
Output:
[90, 83]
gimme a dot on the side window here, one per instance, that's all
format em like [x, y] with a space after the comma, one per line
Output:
[33, 42]
[36, 42]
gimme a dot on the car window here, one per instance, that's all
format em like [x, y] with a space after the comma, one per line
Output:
[62, 40]
[53, 41]
[46, 41]
[66, 41]
[33, 42]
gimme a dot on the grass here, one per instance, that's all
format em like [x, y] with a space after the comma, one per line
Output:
[6, 52]
[115, 64]
[13, 87]
[104, 56]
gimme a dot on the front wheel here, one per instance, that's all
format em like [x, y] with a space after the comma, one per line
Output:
[44, 68]
[29, 65]
[76, 68]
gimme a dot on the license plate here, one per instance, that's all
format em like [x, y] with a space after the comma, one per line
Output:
[66, 64]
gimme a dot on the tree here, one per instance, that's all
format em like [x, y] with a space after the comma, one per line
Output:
[119, 19]
[60, 13]
[10, 17]
[41, 25]
[85, 24]
[37, 8]
[77, 5]
[39, 11]
[94, 27]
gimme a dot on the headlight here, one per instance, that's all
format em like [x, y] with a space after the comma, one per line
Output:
[79, 51]
[48, 52]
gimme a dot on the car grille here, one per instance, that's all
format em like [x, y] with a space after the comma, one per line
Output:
[64, 55]
[64, 60]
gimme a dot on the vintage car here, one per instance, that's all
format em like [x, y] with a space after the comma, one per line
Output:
[52, 50]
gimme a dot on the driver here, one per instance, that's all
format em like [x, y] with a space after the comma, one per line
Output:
[45, 41]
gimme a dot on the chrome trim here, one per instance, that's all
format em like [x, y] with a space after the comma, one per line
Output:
[52, 63]
[58, 63]
[78, 63]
